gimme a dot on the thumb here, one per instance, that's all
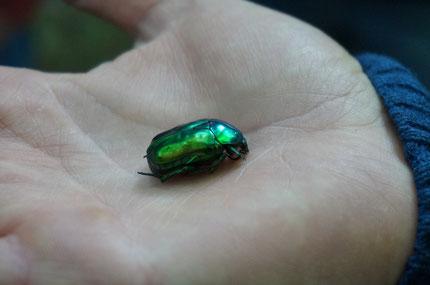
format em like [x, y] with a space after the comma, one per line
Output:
[134, 16]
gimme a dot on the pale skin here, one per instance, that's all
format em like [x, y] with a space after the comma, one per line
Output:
[324, 197]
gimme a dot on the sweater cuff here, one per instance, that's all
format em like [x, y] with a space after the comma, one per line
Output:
[408, 104]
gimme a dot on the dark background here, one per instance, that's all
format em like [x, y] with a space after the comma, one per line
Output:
[60, 38]
[400, 29]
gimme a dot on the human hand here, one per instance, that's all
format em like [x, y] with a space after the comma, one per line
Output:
[325, 195]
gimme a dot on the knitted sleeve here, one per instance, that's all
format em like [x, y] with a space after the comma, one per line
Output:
[408, 104]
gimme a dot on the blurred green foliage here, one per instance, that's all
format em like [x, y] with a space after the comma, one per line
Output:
[67, 40]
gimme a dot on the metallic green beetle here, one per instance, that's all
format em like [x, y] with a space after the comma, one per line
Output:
[198, 146]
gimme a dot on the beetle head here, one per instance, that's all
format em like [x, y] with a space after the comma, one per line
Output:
[235, 152]
[243, 146]
[231, 138]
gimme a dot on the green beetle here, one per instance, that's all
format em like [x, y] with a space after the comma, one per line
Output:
[198, 146]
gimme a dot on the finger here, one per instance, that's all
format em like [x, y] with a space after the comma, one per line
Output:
[145, 18]
[12, 265]
[126, 14]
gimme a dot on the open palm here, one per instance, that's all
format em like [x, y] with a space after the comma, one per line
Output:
[325, 195]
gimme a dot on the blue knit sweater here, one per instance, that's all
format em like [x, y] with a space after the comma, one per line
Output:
[408, 103]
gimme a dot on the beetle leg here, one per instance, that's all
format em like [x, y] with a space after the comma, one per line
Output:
[211, 168]
[239, 155]
[191, 169]
[191, 159]
[216, 163]
[176, 172]
[147, 174]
